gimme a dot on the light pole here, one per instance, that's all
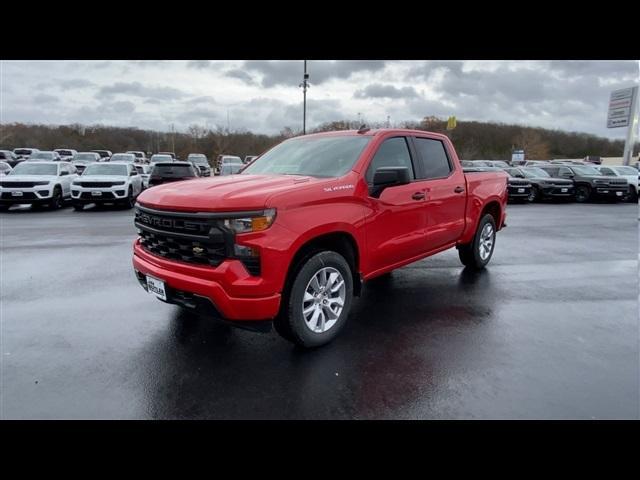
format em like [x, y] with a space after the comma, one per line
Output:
[304, 85]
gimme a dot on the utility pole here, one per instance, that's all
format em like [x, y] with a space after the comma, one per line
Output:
[304, 85]
[388, 121]
[228, 128]
[173, 139]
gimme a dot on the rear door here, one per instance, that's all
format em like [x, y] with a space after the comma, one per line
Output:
[445, 193]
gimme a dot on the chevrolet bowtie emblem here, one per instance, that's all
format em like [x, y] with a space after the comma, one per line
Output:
[197, 250]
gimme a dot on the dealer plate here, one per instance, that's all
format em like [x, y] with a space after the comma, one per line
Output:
[16, 194]
[156, 287]
[521, 190]
[619, 194]
[563, 190]
[96, 194]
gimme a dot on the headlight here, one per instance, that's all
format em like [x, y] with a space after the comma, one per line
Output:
[76, 184]
[251, 224]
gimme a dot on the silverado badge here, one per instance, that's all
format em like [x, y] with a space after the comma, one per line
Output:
[197, 250]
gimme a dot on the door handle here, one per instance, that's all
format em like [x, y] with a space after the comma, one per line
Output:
[418, 196]
[458, 189]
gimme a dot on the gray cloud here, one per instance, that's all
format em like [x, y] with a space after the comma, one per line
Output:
[288, 72]
[75, 83]
[242, 75]
[136, 89]
[378, 90]
[45, 98]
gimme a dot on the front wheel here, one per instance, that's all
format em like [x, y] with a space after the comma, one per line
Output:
[478, 253]
[319, 301]
[57, 200]
[130, 202]
[632, 196]
[534, 195]
[583, 193]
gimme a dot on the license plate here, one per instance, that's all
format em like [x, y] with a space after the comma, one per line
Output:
[156, 287]
[563, 190]
[619, 194]
[16, 194]
[96, 194]
[521, 190]
[605, 191]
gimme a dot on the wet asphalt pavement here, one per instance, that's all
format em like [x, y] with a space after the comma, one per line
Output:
[549, 330]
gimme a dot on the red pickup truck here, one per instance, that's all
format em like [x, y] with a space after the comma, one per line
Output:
[291, 239]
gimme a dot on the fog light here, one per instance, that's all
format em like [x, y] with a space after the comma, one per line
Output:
[43, 193]
[244, 251]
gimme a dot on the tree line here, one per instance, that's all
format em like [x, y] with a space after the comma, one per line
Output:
[473, 140]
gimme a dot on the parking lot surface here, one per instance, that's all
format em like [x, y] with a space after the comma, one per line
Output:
[549, 330]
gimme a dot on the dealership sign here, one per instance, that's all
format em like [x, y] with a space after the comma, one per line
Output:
[621, 108]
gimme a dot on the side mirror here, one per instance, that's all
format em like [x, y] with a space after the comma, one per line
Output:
[64, 172]
[133, 173]
[386, 177]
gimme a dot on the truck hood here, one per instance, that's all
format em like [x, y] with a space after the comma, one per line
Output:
[29, 178]
[102, 178]
[222, 193]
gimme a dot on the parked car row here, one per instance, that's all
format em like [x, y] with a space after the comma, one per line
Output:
[568, 180]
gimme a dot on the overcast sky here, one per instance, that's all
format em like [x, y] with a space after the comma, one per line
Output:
[264, 97]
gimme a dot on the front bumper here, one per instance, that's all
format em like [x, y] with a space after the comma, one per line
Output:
[87, 195]
[37, 194]
[611, 192]
[227, 287]
[554, 191]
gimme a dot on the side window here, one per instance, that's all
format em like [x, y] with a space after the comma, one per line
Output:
[393, 152]
[607, 171]
[564, 171]
[432, 157]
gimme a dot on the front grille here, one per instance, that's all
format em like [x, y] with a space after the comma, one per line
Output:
[24, 196]
[518, 183]
[89, 196]
[21, 184]
[190, 239]
[98, 184]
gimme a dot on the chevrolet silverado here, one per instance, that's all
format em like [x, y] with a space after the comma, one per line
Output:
[291, 239]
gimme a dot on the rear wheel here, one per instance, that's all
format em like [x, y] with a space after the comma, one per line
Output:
[583, 193]
[478, 253]
[319, 301]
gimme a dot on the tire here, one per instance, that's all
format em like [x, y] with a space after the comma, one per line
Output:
[4, 208]
[632, 196]
[583, 193]
[130, 202]
[320, 285]
[78, 207]
[534, 195]
[57, 202]
[474, 254]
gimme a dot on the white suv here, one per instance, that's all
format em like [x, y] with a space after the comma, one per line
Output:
[107, 182]
[37, 183]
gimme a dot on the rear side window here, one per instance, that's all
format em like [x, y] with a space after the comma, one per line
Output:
[393, 152]
[432, 157]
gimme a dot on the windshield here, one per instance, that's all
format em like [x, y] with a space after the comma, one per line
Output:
[500, 164]
[65, 152]
[315, 156]
[236, 160]
[625, 170]
[587, 171]
[22, 151]
[105, 169]
[532, 172]
[4, 166]
[200, 160]
[173, 170]
[161, 158]
[42, 156]
[26, 168]
[123, 157]
[85, 157]
[137, 154]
